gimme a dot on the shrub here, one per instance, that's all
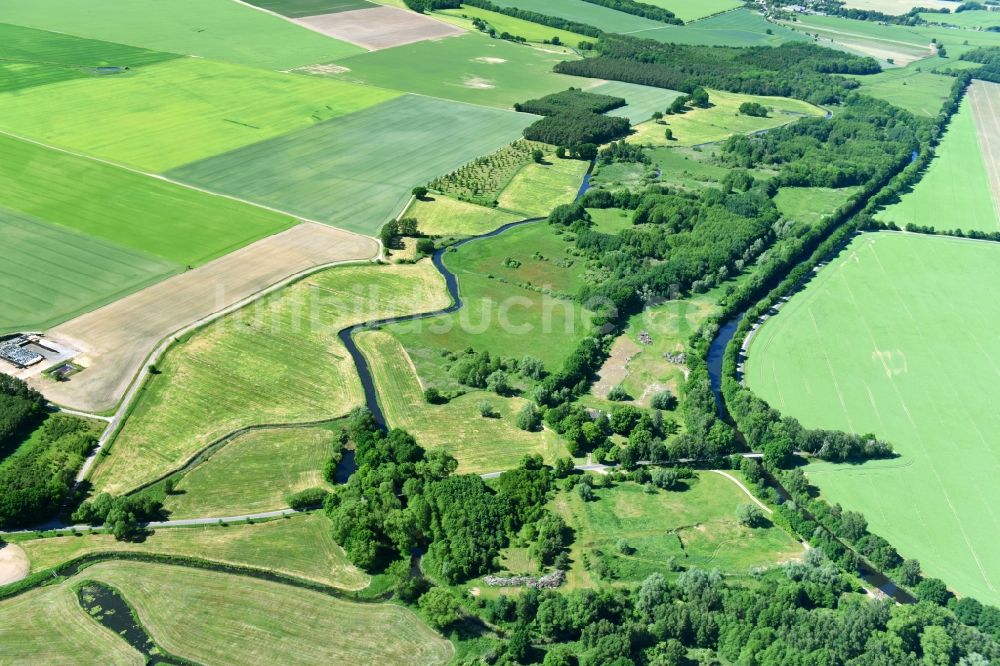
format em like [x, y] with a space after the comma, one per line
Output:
[528, 419]
[307, 499]
[663, 400]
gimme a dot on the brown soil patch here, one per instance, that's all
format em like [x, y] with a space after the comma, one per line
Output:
[117, 339]
[615, 369]
[380, 27]
[323, 69]
[985, 100]
[13, 563]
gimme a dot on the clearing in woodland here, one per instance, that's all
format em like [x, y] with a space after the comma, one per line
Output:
[356, 172]
[254, 473]
[169, 114]
[957, 178]
[276, 361]
[480, 444]
[215, 29]
[298, 545]
[890, 338]
[116, 340]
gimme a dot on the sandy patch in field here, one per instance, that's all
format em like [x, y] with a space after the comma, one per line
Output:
[615, 369]
[323, 69]
[117, 339]
[13, 563]
[985, 100]
[379, 27]
[489, 61]
[477, 82]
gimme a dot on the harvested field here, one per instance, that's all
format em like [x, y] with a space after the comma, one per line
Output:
[117, 339]
[215, 29]
[276, 361]
[380, 27]
[984, 98]
[218, 618]
[254, 473]
[479, 444]
[357, 171]
[202, 108]
[300, 545]
[47, 626]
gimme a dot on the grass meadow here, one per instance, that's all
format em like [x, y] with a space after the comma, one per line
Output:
[254, 473]
[697, 527]
[686, 10]
[606, 19]
[970, 20]
[956, 180]
[893, 337]
[300, 545]
[166, 115]
[538, 188]
[47, 626]
[811, 204]
[721, 120]
[479, 444]
[276, 361]
[356, 172]
[30, 57]
[439, 215]
[214, 29]
[81, 272]
[642, 100]
[471, 68]
[532, 32]
[913, 88]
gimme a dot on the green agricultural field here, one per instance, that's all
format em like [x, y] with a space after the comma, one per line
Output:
[356, 172]
[479, 444]
[300, 545]
[642, 100]
[975, 19]
[956, 180]
[214, 29]
[470, 68]
[692, 10]
[47, 626]
[810, 204]
[254, 473]
[300, 8]
[499, 316]
[276, 361]
[81, 272]
[641, 368]
[721, 120]
[913, 88]
[214, 618]
[740, 27]
[892, 337]
[443, 216]
[533, 32]
[30, 57]
[162, 116]
[538, 188]
[145, 215]
[696, 527]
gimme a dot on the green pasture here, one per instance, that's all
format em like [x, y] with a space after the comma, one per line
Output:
[533, 32]
[214, 618]
[642, 100]
[692, 10]
[300, 545]
[479, 444]
[81, 272]
[469, 68]
[275, 361]
[30, 57]
[610, 220]
[538, 188]
[214, 29]
[955, 191]
[721, 120]
[300, 8]
[913, 88]
[254, 473]
[810, 204]
[973, 19]
[167, 115]
[606, 19]
[696, 527]
[439, 215]
[357, 171]
[48, 626]
[893, 337]
[143, 215]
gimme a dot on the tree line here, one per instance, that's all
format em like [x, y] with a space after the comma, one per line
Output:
[573, 118]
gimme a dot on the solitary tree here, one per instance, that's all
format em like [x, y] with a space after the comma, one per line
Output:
[749, 515]
[420, 191]
[440, 607]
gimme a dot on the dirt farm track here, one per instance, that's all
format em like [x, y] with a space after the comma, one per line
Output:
[116, 339]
